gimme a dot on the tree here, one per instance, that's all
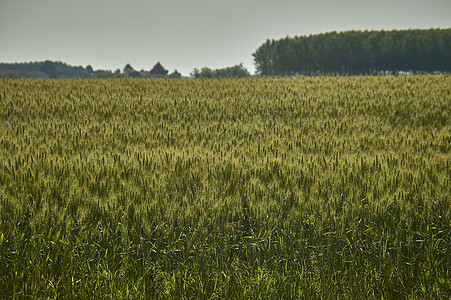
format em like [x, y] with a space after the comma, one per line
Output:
[49, 68]
[175, 74]
[102, 74]
[356, 52]
[128, 69]
[195, 73]
[206, 73]
[52, 69]
[158, 70]
[229, 72]
[263, 58]
[134, 74]
[89, 69]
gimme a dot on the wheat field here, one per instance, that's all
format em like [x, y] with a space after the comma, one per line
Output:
[259, 188]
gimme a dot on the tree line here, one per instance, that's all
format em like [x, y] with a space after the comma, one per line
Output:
[60, 70]
[356, 52]
[344, 53]
[228, 72]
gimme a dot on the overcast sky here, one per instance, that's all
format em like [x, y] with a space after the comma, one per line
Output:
[188, 34]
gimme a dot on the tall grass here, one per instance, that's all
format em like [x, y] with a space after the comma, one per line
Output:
[234, 188]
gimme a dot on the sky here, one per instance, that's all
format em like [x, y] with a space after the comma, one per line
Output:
[187, 34]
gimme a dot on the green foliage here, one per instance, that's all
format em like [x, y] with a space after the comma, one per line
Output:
[134, 74]
[175, 74]
[237, 71]
[50, 69]
[236, 188]
[355, 52]
[158, 70]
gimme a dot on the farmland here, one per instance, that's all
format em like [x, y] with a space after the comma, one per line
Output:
[328, 187]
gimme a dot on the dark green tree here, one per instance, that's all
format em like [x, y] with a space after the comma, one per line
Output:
[117, 73]
[229, 72]
[195, 73]
[128, 69]
[89, 70]
[158, 70]
[175, 74]
[206, 72]
[102, 74]
[134, 74]
[356, 52]
[49, 68]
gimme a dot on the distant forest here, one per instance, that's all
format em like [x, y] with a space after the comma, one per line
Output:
[343, 53]
[59, 70]
[357, 52]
